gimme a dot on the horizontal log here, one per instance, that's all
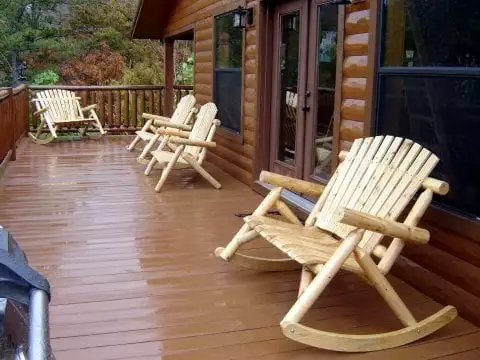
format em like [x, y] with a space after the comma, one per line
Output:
[251, 37]
[234, 157]
[345, 145]
[438, 288]
[249, 123]
[351, 130]
[202, 98]
[249, 109]
[356, 66]
[458, 272]
[248, 137]
[251, 80]
[362, 5]
[356, 44]
[251, 52]
[205, 45]
[357, 22]
[301, 186]
[354, 88]
[204, 67]
[250, 95]
[243, 149]
[19, 89]
[203, 56]
[232, 169]
[4, 94]
[201, 35]
[387, 227]
[250, 66]
[205, 78]
[353, 109]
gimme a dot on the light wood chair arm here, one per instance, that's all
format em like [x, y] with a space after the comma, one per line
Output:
[174, 132]
[41, 111]
[286, 182]
[191, 142]
[155, 117]
[89, 107]
[172, 125]
[387, 227]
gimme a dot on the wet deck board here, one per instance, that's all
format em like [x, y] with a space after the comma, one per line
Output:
[134, 276]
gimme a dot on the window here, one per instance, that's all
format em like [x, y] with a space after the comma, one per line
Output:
[227, 92]
[429, 89]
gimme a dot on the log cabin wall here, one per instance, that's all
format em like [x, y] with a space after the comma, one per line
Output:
[233, 157]
[448, 269]
[353, 123]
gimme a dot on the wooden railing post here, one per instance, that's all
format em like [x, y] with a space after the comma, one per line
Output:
[169, 70]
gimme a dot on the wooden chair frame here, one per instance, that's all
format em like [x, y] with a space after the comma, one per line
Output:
[363, 233]
[150, 132]
[56, 107]
[188, 147]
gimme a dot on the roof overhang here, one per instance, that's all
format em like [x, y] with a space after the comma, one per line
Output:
[152, 18]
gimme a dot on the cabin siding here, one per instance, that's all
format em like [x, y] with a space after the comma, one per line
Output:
[233, 157]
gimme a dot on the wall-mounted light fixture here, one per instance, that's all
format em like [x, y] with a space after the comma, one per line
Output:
[242, 17]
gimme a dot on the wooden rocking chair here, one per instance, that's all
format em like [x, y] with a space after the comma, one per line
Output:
[56, 107]
[188, 149]
[181, 119]
[360, 204]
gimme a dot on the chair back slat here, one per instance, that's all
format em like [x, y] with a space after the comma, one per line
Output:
[202, 128]
[184, 107]
[62, 105]
[380, 176]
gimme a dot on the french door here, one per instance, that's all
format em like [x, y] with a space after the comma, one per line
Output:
[304, 76]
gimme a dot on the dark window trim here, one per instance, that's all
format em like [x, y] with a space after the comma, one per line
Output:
[441, 216]
[224, 132]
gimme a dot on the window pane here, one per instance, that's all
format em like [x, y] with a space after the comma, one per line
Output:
[431, 33]
[325, 96]
[228, 43]
[289, 54]
[228, 97]
[442, 114]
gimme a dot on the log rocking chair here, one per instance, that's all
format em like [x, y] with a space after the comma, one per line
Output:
[360, 205]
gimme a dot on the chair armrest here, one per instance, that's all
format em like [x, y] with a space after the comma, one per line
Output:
[172, 125]
[89, 107]
[155, 117]
[41, 111]
[286, 182]
[387, 227]
[191, 142]
[174, 132]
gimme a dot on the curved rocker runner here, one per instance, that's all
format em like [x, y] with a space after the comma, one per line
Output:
[370, 189]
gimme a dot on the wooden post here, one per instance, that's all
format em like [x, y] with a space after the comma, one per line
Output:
[110, 108]
[134, 108]
[169, 70]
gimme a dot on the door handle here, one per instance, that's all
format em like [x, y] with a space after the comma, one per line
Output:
[306, 108]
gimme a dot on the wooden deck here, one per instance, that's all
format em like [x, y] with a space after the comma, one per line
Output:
[134, 277]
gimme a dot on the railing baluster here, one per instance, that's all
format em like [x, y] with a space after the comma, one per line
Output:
[110, 109]
[101, 106]
[118, 109]
[130, 122]
[134, 108]
[141, 107]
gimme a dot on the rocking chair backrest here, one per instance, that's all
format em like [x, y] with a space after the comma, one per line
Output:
[203, 129]
[61, 105]
[379, 176]
[184, 107]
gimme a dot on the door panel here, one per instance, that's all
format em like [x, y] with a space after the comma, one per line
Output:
[321, 83]
[289, 82]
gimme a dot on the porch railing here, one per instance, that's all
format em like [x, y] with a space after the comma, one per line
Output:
[13, 120]
[120, 108]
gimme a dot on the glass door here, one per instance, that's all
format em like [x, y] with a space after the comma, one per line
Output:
[322, 69]
[289, 84]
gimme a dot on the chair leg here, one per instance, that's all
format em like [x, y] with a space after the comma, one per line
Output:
[384, 288]
[305, 280]
[194, 164]
[40, 128]
[169, 168]
[150, 166]
[149, 146]
[267, 203]
[97, 122]
[138, 138]
[323, 278]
